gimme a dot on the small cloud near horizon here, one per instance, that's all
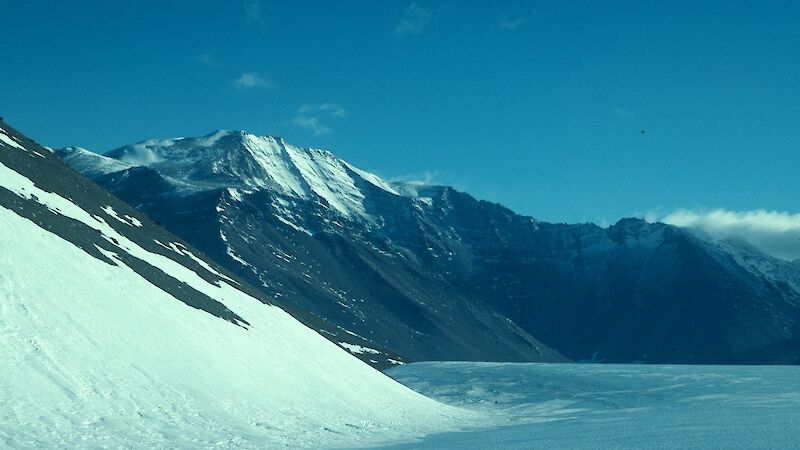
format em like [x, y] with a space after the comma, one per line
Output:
[505, 23]
[774, 232]
[254, 12]
[428, 177]
[620, 111]
[207, 60]
[414, 20]
[252, 80]
[310, 117]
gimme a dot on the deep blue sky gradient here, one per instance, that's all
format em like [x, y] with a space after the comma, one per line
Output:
[536, 105]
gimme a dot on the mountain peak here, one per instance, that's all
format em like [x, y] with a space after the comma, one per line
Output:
[242, 160]
[89, 163]
[633, 228]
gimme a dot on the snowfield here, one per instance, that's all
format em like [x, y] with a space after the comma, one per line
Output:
[613, 406]
[94, 355]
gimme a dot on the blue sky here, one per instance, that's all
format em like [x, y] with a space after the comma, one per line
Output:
[536, 105]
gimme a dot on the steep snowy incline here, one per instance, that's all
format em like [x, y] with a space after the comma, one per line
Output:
[97, 351]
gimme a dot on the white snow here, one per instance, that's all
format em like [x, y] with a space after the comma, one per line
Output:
[90, 163]
[243, 161]
[236, 257]
[374, 179]
[8, 141]
[293, 225]
[127, 220]
[181, 250]
[133, 220]
[576, 406]
[96, 356]
[357, 349]
[235, 194]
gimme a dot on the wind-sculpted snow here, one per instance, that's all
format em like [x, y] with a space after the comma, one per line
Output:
[593, 406]
[97, 352]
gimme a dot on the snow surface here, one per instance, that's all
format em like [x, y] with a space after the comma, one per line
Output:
[612, 406]
[8, 141]
[90, 163]
[357, 349]
[127, 220]
[94, 355]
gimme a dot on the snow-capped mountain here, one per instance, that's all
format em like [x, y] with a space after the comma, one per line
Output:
[116, 333]
[428, 272]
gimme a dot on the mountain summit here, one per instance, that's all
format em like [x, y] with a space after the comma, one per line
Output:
[397, 271]
[240, 160]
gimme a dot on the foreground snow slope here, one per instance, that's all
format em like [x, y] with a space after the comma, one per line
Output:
[98, 352]
[613, 406]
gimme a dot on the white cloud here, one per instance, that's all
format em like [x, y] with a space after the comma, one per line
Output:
[331, 109]
[504, 22]
[207, 60]
[428, 178]
[310, 116]
[621, 111]
[773, 232]
[253, 12]
[312, 124]
[414, 20]
[250, 80]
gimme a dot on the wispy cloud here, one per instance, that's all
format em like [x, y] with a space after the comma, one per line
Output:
[427, 177]
[622, 111]
[774, 232]
[207, 60]
[414, 20]
[311, 116]
[505, 23]
[253, 80]
[254, 12]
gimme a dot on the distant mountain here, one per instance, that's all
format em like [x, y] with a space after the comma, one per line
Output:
[428, 272]
[114, 332]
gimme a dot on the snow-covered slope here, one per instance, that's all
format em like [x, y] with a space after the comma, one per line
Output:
[113, 333]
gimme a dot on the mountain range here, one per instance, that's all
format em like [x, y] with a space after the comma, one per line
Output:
[397, 272]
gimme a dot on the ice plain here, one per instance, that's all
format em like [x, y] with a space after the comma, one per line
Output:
[612, 406]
